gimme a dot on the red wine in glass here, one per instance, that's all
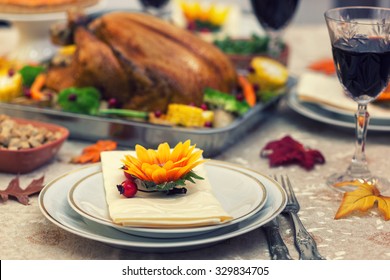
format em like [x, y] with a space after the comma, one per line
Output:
[363, 66]
[274, 14]
[154, 3]
[361, 51]
[154, 7]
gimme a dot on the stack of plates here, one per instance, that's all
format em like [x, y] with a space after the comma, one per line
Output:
[76, 203]
[332, 115]
[321, 98]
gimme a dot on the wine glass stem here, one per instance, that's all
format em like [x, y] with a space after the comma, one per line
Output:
[274, 47]
[358, 167]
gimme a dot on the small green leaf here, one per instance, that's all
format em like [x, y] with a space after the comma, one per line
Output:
[167, 186]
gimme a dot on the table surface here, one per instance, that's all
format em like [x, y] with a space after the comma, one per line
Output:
[26, 234]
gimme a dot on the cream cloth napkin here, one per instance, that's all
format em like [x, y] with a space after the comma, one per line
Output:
[198, 207]
[327, 91]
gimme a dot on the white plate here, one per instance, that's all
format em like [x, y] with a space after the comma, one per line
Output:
[54, 206]
[332, 116]
[240, 194]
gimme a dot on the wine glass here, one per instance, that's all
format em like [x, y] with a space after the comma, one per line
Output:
[360, 38]
[274, 16]
[154, 7]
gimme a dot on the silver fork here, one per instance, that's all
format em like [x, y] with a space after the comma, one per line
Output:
[303, 241]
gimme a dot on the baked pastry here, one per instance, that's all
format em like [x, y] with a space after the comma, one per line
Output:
[42, 6]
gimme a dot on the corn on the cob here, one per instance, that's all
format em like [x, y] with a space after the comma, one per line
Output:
[269, 74]
[67, 50]
[10, 87]
[188, 116]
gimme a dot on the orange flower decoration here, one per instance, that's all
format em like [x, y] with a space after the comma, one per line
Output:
[163, 165]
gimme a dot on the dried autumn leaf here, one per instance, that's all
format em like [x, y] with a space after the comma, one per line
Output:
[325, 66]
[289, 151]
[363, 198]
[92, 153]
[21, 195]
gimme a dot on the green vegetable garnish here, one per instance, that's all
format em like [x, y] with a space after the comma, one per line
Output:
[29, 73]
[80, 100]
[266, 96]
[125, 113]
[225, 101]
[254, 45]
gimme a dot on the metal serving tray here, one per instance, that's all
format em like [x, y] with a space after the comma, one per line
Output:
[128, 133]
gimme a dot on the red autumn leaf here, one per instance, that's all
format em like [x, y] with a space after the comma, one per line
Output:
[288, 151]
[20, 194]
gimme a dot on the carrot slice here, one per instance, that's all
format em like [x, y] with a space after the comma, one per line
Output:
[248, 90]
[37, 86]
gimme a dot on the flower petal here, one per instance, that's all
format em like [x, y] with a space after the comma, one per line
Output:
[177, 152]
[172, 174]
[168, 165]
[152, 156]
[159, 176]
[142, 154]
[130, 160]
[182, 162]
[184, 170]
[148, 171]
[195, 156]
[136, 171]
[163, 151]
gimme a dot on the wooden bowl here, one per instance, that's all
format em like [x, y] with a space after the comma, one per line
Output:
[26, 160]
[242, 62]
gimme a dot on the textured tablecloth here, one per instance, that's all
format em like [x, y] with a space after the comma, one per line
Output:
[26, 234]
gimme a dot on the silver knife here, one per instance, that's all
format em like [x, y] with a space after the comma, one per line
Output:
[277, 248]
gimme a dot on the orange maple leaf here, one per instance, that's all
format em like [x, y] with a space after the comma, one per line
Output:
[364, 197]
[92, 153]
[324, 65]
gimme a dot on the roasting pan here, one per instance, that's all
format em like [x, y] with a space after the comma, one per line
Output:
[128, 133]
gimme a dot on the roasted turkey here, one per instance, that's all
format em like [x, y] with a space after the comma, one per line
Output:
[143, 62]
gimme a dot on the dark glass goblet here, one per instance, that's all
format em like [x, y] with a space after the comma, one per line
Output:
[274, 16]
[360, 38]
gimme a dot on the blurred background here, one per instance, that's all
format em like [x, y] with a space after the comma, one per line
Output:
[310, 11]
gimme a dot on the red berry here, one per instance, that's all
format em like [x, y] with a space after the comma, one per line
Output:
[128, 175]
[240, 97]
[112, 103]
[158, 114]
[204, 107]
[208, 124]
[27, 92]
[72, 97]
[191, 25]
[127, 188]
[11, 72]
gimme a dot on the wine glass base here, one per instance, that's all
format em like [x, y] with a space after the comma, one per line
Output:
[339, 182]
